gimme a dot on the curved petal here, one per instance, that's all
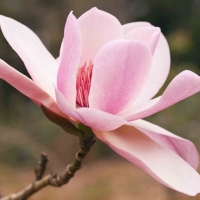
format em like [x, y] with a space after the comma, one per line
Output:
[159, 71]
[133, 25]
[147, 35]
[27, 87]
[181, 87]
[39, 62]
[120, 70]
[58, 60]
[99, 120]
[184, 148]
[161, 163]
[61, 50]
[97, 28]
[90, 117]
[160, 65]
[66, 107]
[70, 55]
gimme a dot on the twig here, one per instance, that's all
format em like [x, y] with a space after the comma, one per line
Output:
[40, 169]
[54, 179]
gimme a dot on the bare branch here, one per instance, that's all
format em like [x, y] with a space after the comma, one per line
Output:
[41, 167]
[54, 179]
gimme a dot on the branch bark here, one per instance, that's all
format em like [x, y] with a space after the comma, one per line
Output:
[55, 180]
[40, 169]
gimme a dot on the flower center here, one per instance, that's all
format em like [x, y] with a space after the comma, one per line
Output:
[83, 82]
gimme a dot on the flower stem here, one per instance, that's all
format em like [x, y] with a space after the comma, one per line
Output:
[55, 180]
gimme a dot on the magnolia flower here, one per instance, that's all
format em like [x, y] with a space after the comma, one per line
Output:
[105, 78]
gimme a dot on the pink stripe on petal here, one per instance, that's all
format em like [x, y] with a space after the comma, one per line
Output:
[39, 62]
[161, 163]
[184, 148]
[27, 87]
[70, 55]
[181, 87]
[120, 71]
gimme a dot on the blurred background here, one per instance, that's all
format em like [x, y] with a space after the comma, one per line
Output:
[25, 131]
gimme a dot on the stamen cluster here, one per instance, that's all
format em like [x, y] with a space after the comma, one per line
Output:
[83, 83]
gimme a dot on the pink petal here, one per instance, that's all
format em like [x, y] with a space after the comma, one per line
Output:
[99, 120]
[148, 35]
[97, 28]
[184, 148]
[71, 50]
[161, 163]
[27, 87]
[58, 60]
[61, 51]
[134, 25]
[159, 71]
[90, 117]
[39, 62]
[182, 86]
[160, 66]
[65, 106]
[120, 70]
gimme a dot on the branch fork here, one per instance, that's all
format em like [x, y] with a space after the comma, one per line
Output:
[53, 179]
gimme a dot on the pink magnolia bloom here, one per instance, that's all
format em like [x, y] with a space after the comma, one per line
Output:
[105, 78]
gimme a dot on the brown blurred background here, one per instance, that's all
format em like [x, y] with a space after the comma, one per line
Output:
[25, 132]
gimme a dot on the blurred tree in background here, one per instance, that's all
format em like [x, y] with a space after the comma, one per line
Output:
[24, 130]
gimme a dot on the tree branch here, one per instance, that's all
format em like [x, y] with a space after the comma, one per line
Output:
[52, 179]
[40, 169]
